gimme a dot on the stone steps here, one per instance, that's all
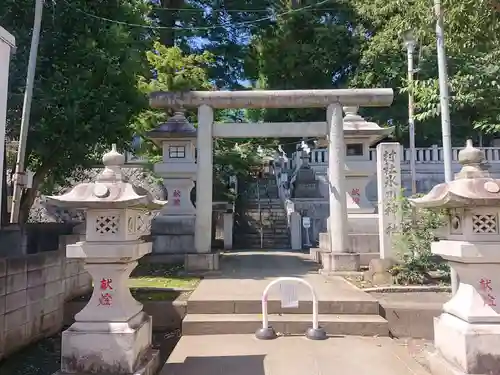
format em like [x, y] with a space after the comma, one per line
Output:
[224, 324]
[341, 306]
[219, 306]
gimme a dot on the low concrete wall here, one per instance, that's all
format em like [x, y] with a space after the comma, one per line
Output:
[414, 320]
[33, 290]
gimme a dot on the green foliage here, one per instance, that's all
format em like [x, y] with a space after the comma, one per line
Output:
[413, 246]
[472, 49]
[222, 28]
[178, 71]
[85, 89]
[171, 70]
[314, 48]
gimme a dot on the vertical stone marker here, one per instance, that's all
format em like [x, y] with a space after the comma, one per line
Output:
[467, 333]
[111, 335]
[389, 194]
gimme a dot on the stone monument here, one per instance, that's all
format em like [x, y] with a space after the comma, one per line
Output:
[467, 333]
[306, 185]
[173, 229]
[111, 334]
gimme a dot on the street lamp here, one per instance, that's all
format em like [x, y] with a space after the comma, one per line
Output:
[409, 43]
[445, 111]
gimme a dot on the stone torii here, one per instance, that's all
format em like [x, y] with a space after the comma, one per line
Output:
[332, 128]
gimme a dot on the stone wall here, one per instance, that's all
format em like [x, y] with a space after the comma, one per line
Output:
[33, 290]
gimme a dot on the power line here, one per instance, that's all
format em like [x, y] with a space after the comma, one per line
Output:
[244, 23]
[210, 10]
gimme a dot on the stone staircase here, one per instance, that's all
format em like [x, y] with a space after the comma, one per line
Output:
[271, 219]
[341, 314]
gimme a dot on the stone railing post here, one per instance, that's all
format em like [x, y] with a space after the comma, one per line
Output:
[228, 219]
[296, 231]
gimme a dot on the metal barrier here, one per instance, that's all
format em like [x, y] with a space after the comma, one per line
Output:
[267, 331]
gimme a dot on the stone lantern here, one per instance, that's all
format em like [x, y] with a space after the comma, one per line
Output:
[111, 334]
[173, 229]
[467, 334]
[359, 135]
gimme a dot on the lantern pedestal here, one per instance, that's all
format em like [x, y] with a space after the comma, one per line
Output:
[110, 348]
[467, 334]
[463, 348]
[111, 334]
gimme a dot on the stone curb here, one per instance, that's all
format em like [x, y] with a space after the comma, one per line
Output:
[407, 289]
[149, 288]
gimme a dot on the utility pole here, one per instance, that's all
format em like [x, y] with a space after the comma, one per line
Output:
[409, 42]
[19, 177]
[445, 110]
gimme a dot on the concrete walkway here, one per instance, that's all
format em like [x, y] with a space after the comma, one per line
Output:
[244, 276]
[245, 355]
[224, 310]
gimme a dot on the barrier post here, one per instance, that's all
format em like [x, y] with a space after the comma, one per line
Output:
[266, 332]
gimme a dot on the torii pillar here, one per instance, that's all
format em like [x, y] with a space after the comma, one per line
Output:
[206, 101]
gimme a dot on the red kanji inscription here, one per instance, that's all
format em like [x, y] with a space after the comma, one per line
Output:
[106, 284]
[177, 202]
[355, 192]
[177, 193]
[488, 297]
[106, 299]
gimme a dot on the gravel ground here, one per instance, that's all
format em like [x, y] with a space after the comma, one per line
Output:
[418, 348]
[44, 357]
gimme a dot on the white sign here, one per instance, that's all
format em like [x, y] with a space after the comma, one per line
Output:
[306, 222]
[289, 295]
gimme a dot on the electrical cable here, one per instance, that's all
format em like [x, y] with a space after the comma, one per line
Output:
[244, 23]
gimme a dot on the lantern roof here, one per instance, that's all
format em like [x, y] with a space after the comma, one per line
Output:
[473, 186]
[110, 190]
[176, 126]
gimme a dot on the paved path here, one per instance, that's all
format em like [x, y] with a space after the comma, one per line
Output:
[244, 276]
[239, 286]
[245, 355]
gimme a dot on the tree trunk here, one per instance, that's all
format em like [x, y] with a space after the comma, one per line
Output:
[29, 195]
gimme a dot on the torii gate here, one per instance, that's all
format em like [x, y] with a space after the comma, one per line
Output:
[332, 128]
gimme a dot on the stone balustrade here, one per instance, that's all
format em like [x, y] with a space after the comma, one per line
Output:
[432, 155]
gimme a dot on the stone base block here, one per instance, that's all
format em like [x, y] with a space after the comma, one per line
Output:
[440, 366]
[173, 243]
[333, 262]
[315, 254]
[201, 262]
[149, 366]
[465, 348]
[108, 348]
[173, 234]
[378, 271]
[173, 224]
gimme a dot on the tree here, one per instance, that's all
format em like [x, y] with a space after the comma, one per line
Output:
[472, 46]
[308, 46]
[85, 91]
[221, 28]
[173, 70]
